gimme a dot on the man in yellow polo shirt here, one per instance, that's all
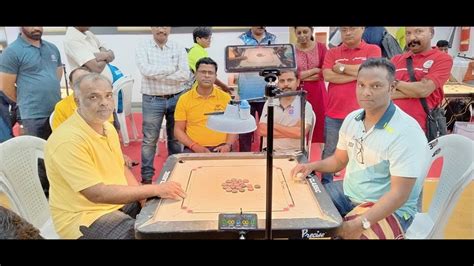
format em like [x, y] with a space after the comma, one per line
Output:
[190, 122]
[92, 194]
[67, 106]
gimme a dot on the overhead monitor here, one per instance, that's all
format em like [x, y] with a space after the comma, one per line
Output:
[250, 58]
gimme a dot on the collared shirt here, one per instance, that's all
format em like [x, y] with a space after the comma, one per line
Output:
[80, 48]
[432, 64]
[287, 117]
[76, 158]
[65, 109]
[164, 70]
[394, 146]
[38, 88]
[191, 108]
[342, 97]
[195, 53]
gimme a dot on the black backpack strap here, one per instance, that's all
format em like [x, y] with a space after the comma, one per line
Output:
[411, 72]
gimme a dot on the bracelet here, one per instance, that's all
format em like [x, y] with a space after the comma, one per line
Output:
[192, 145]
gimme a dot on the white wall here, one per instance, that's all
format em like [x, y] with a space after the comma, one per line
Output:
[124, 49]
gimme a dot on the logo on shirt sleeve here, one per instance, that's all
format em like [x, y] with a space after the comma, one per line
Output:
[427, 65]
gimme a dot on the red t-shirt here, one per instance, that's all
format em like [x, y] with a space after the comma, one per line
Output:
[342, 97]
[432, 64]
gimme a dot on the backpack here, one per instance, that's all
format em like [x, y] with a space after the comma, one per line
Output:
[390, 46]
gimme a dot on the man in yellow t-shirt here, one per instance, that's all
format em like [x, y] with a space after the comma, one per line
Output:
[190, 122]
[66, 107]
[92, 194]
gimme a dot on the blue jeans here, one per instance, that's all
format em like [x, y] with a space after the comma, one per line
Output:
[331, 133]
[154, 109]
[344, 205]
[38, 127]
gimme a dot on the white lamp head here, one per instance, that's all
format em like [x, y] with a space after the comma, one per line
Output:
[235, 120]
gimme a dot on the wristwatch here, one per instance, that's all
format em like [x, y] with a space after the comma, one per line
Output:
[365, 223]
[341, 68]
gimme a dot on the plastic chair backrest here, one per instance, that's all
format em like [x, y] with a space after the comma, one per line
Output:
[19, 178]
[457, 172]
[124, 84]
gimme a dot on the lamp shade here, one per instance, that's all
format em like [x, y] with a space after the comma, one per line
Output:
[235, 120]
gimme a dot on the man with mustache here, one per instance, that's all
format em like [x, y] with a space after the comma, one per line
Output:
[190, 119]
[384, 152]
[165, 72]
[432, 69]
[30, 74]
[287, 116]
[93, 195]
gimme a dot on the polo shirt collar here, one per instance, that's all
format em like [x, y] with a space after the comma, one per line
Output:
[196, 45]
[196, 95]
[292, 104]
[386, 117]
[25, 43]
[86, 127]
[422, 54]
[361, 45]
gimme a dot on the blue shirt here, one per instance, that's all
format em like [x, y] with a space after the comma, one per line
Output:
[252, 85]
[38, 87]
[395, 146]
[116, 75]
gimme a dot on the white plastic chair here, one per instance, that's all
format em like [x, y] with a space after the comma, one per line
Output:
[20, 181]
[310, 136]
[457, 172]
[125, 84]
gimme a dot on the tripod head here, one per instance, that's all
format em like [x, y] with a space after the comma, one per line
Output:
[270, 76]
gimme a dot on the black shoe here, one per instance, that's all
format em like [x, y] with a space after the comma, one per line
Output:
[146, 181]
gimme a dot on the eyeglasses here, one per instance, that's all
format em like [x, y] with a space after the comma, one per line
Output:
[360, 150]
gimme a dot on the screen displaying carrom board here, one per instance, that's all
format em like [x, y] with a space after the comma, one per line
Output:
[249, 58]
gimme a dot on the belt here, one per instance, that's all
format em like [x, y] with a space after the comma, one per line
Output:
[166, 96]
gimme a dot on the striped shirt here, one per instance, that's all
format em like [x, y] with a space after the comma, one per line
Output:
[164, 70]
